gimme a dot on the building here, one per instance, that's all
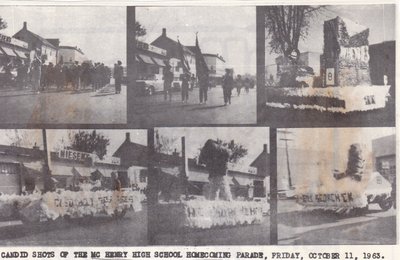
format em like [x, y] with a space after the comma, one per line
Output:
[70, 55]
[262, 165]
[216, 67]
[19, 168]
[48, 50]
[11, 49]
[173, 50]
[307, 59]
[151, 61]
[382, 61]
[384, 153]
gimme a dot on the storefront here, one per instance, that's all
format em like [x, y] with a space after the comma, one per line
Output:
[74, 169]
[12, 52]
[151, 61]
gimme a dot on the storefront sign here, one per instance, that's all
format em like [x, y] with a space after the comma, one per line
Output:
[148, 47]
[13, 41]
[74, 155]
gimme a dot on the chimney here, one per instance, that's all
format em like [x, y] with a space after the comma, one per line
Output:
[127, 137]
[164, 32]
[265, 147]
[25, 26]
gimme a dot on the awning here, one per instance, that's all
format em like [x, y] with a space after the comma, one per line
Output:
[8, 51]
[61, 170]
[84, 171]
[146, 59]
[159, 62]
[21, 54]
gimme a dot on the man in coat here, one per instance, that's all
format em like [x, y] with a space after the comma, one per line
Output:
[168, 78]
[215, 157]
[118, 75]
[227, 85]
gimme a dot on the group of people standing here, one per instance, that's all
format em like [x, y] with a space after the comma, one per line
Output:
[189, 81]
[38, 76]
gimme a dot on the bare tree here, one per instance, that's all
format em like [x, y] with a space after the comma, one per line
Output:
[286, 25]
[3, 24]
[164, 144]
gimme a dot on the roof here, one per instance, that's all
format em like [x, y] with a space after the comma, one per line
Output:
[384, 146]
[72, 48]
[33, 153]
[262, 161]
[138, 155]
[43, 40]
[214, 55]
[171, 46]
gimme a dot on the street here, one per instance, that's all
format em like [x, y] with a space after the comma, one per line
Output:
[150, 111]
[297, 226]
[131, 230]
[237, 235]
[63, 107]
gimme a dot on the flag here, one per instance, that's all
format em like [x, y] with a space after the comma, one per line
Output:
[201, 66]
[185, 63]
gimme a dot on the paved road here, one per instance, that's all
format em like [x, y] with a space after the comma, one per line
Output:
[301, 227]
[239, 235]
[154, 111]
[66, 107]
[105, 231]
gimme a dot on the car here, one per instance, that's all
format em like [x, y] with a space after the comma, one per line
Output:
[151, 86]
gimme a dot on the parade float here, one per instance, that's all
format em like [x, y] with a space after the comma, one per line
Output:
[185, 211]
[345, 85]
[35, 208]
[343, 192]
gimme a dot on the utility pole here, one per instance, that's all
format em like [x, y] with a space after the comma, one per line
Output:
[285, 132]
[48, 182]
[183, 177]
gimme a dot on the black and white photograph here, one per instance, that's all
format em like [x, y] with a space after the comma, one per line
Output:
[210, 186]
[62, 65]
[330, 65]
[336, 186]
[194, 65]
[73, 187]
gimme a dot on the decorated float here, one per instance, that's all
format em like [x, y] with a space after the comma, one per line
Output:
[345, 84]
[35, 208]
[343, 192]
[200, 213]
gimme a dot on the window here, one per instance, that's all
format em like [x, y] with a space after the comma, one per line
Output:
[143, 176]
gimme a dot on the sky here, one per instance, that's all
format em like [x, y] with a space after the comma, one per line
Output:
[380, 19]
[332, 139]
[55, 138]
[100, 32]
[252, 138]
[227, 31]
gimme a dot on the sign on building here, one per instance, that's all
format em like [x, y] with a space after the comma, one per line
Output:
[74, 155]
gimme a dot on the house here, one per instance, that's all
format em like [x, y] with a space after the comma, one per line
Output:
[384, 153]
[47, 49]
[173, 51]
[70, 55]
[216, 67]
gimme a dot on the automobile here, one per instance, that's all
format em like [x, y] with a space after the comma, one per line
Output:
[150, 86]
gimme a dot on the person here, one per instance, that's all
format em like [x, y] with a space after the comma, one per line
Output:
[216, 157]
[192, 82]
[115, 182]
[168, 78]
[59, 75]
[203, 88]
[185, 87]
[238, 84]
[36, 72]
[7, 72]
[247, 85]
[118, 74]
[227, 86]
[75, 73]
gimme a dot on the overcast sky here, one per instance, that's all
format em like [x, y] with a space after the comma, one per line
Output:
[332, 139]
[99, 31]
[227, 31]
[252, 138]
[380, 19]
